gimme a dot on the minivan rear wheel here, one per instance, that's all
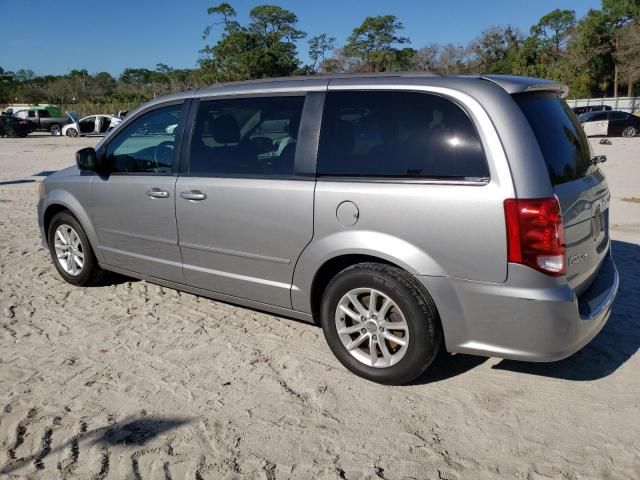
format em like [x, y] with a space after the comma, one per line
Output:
[380, 323]
[71, 251]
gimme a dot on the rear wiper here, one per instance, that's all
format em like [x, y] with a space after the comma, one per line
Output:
[598, 159]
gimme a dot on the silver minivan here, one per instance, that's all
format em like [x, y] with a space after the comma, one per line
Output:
[403, 213]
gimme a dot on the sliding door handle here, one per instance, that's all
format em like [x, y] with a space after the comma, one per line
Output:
[157, 193]
[193, 195]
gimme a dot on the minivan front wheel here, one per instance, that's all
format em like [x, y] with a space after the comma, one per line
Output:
[71, 251]
[380, 323]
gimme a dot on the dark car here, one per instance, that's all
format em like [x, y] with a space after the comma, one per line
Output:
[43, 121]
[590, 108]
[14, 127]
[610, 123]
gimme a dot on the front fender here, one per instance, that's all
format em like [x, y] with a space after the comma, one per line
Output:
[375, 244]
[78, 205]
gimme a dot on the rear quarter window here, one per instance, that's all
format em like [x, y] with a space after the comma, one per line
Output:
[564, 145]
[398, 135]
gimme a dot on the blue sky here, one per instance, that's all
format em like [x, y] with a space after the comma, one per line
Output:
[52, 37]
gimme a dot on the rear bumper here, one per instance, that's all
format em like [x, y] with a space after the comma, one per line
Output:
[530, 317]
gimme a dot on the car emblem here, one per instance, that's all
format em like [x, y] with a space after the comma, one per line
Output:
[577, 258]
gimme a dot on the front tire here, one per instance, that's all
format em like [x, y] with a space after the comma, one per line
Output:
[72, 132]
[630, 132]
[380, 323]
[71, 251]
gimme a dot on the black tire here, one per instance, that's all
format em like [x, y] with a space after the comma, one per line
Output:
[72, 132]
[417, 306]
[630, 131]
[91, 273]
[55, 130]
[10, 133]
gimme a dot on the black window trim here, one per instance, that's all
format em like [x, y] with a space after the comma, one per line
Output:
[183, 169]
[186, 105]
[464, 181]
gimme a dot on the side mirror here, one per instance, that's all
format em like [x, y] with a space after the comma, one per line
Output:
[87, 160]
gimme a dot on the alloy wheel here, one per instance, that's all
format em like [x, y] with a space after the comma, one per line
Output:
[372, 327]
[69, 250]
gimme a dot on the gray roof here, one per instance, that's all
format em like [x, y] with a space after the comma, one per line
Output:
[510, 84]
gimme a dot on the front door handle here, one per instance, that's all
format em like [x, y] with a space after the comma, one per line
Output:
[157, 193]
[193, 195]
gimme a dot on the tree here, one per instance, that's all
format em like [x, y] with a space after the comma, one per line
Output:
[23, 75]
[553, 31]
[372, 43]
[318, 48]
[629, 54]
[496, 50]
[619, 13]
[264, 48]
[452, 60]
[426, 58]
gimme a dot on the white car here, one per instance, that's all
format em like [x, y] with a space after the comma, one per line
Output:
[91, 125]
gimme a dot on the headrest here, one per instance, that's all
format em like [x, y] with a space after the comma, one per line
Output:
[225, 129]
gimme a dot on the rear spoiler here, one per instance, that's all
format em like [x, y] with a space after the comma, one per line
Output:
[513, 84]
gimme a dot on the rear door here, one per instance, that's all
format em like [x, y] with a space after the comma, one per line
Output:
[133, 205]
[579, 185]
[244, 212]
[617, 122]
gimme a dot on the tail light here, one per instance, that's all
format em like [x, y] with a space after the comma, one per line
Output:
[535, 234]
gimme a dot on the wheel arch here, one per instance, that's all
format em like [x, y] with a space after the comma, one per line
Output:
[60, 201]
[330, 269]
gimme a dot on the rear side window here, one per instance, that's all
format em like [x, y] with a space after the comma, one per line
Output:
[563, 143]
[246, 136]
[618, 116]
[400, 135]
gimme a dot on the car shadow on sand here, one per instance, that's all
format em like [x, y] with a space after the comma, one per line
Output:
[128, 432]
[618, 341]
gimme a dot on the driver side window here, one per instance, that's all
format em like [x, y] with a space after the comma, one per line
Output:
[147, 144]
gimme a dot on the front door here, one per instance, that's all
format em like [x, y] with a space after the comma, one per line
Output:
[243, 216]
[133, 205]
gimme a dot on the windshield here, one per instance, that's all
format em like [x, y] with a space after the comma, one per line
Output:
[563, 143]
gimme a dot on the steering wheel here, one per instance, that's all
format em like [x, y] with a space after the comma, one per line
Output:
[163, 154]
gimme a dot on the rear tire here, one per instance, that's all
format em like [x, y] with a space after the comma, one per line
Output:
[630, 132]
[392, 346]
[71, 251]
[55, 130]
[10, 133]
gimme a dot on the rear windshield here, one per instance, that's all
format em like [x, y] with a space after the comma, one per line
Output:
[563, 143]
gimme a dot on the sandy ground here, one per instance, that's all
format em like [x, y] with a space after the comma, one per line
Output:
[132, 380]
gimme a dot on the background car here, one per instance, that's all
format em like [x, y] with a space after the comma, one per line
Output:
[42, 120]
[11, 126]
[610, 123]
[91, 125]
[54, 110]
